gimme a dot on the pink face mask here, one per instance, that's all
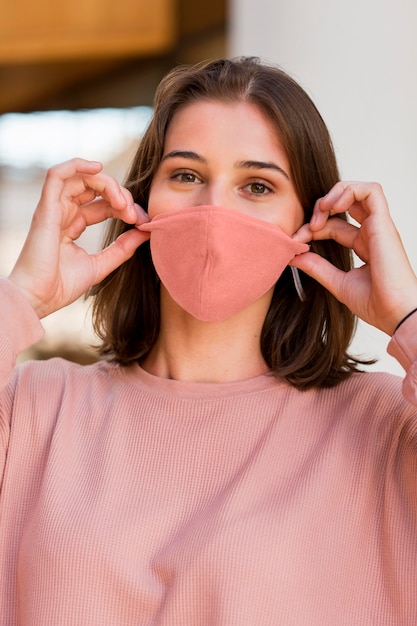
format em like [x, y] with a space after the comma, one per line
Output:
[214, 262]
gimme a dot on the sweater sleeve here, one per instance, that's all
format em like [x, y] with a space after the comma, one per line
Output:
[403, 347]
[19, 328]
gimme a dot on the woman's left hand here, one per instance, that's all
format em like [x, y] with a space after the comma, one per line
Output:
[384, 289]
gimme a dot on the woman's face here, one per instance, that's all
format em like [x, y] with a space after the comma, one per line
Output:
[228, 155]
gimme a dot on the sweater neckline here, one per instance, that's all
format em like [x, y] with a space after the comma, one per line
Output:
[168, 386]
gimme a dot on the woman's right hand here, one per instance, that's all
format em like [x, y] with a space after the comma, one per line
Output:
[52, 270]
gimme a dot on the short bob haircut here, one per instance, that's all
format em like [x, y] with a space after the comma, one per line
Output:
[303, 342]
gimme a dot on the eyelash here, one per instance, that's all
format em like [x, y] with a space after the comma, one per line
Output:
[177, 176]
[260, 184]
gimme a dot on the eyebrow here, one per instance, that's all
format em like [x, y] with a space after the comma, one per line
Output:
[261, 165]
[184, 154]
[194, 156]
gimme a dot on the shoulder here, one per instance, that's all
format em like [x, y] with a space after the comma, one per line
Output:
[47, 381]
[376, 392]
[372, 404]
[374, 387]
[43, 393]
[62, 371]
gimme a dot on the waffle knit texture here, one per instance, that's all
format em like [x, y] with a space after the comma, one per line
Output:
[131, 500]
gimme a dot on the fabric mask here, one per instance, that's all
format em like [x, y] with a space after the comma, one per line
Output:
[214, 262]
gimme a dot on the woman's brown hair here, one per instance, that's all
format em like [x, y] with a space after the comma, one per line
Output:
[304, 342]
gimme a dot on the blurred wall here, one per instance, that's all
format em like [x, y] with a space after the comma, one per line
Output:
[358, 61]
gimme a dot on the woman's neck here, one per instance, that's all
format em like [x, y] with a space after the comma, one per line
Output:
[194, 351]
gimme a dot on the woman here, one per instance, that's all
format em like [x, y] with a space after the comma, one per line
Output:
[226, 463]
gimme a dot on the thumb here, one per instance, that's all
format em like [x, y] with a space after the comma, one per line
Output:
[321, 270]
[119, 251]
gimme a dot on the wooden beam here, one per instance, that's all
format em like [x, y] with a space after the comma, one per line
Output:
[88, 29]
[100, 77]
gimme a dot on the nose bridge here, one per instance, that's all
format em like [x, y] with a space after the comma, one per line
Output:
[217, 192]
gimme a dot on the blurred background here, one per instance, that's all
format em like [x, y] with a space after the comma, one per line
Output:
[78, 80]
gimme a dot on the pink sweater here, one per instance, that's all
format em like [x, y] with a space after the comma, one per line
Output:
[129, 500]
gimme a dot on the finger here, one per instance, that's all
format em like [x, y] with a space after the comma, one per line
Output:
[322, 271]
[129, 214]
[344, 233]
[107, 187]
[320, 215]
[58, 174]
[327, 206]
[347, 195]
[303, 234]
[141, 215]
[357, 198]
[99, 210]
[77, 165]
[80, 183]
[87, 196]
[118, 252]
[341, 231]
[135, 214]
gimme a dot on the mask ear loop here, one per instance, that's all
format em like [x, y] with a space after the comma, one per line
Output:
[297, 283]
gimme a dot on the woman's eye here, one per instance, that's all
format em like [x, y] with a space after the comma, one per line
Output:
[186, 177]
[258, 188]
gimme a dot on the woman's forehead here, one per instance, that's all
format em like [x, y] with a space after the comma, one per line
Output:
[231, 126]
